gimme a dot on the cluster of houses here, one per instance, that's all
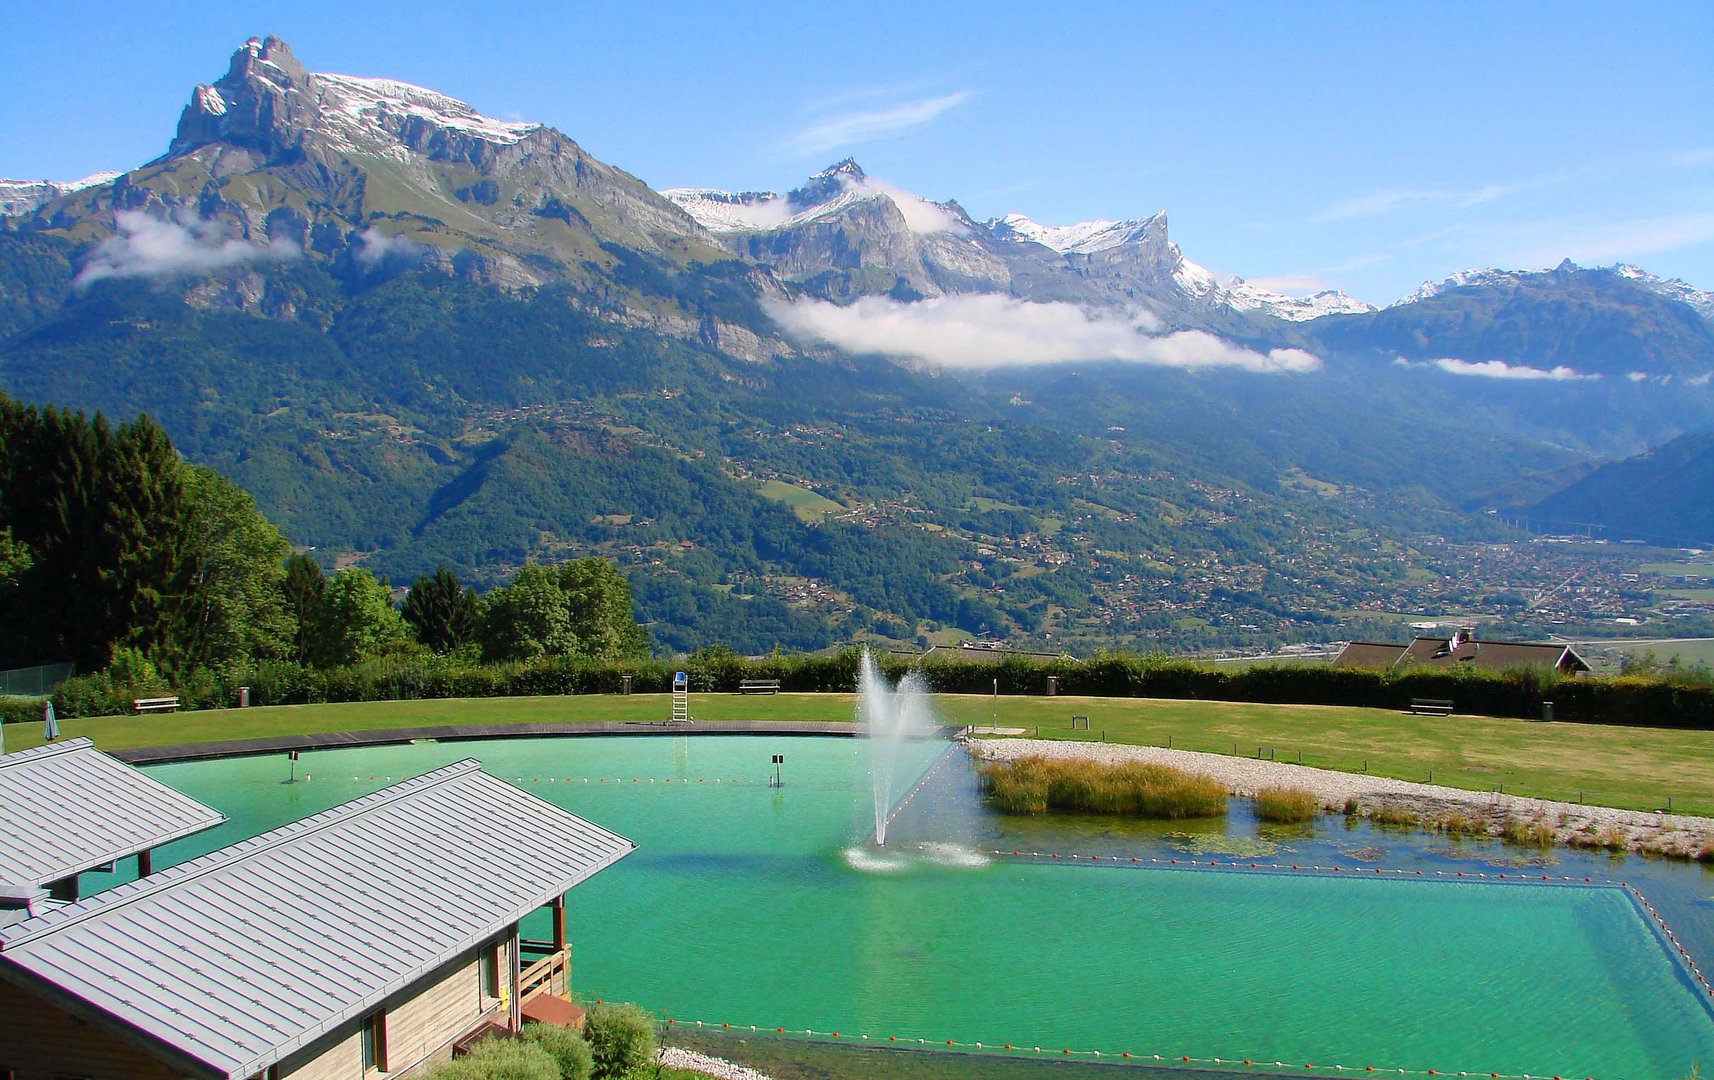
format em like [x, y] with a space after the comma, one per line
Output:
[372, 939]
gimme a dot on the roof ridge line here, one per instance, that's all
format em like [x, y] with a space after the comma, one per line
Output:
[30, 929]
[37, 753]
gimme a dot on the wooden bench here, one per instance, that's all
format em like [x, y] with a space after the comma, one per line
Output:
[155, 704]
[759, 686]
[1432, 706]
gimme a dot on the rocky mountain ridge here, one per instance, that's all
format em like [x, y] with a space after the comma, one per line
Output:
[272, 153]
[369, 171]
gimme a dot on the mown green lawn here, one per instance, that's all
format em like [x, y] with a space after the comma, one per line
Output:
[1634, 767]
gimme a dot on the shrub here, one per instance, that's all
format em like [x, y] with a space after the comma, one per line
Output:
[621, 1038]
[1033, 785]
[568, 1049]
[1286, 804]
[499, 1059]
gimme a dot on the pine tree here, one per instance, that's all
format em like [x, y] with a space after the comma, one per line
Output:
[304, 586]
[442, 614]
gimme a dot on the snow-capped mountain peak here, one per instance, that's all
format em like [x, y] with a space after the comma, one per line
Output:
[1671, 288]
[267, 99]
[1241, 295]
[1472, 278]
[732, 211]
[829, 192]
[1083, 238]
[377, 104]
[22, 196]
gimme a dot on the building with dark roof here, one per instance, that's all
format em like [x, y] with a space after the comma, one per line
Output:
[1461, 650]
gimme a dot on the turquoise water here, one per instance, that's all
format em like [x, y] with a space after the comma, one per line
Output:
[761, 906]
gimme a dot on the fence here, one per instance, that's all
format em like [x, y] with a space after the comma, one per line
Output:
[33, 681]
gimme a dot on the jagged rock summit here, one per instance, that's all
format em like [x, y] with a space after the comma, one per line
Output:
[268, 102]
[343, 167]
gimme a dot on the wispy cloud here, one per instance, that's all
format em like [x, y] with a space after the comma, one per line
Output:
[1614, 241]
[853, 128]
[149, 246]
[988, 330]
[1307, 282]
[1294, 284]
[1379, 203]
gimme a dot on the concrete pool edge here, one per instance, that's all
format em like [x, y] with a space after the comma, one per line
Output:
[343, 740]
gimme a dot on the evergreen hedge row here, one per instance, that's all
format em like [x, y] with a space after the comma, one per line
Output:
[1650, 702]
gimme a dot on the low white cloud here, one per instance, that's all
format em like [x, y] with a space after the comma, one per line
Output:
[921, 215]
[375, 247]
[988, 330]
[854, 128]
[149, 246]
[1499, 369]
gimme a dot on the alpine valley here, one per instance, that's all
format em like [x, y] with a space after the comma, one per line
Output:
[423, 336]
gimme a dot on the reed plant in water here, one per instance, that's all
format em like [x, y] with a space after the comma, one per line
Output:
[1035, 785]
[1286, 804]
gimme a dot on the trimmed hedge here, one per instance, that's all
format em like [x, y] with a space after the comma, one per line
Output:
[1633, 700]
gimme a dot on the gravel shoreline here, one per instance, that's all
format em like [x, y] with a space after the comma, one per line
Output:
[676, 1057]
[1573, 824]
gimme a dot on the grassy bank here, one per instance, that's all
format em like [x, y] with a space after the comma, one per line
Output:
[1631, 767]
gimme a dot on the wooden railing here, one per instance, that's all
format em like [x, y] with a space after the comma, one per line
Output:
[549, 975]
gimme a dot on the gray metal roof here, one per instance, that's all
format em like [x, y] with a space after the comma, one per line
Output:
[249, 953]
[69, 807]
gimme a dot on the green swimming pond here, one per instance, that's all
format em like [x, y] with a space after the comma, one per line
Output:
[754, 905]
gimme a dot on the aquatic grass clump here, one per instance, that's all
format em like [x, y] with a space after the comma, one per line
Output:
[1458, 823]
[1035, 785]
[1387, 815]
[1536, 831]
[1286, 804]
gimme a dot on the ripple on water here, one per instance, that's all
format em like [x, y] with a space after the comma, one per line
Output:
[964, 858]
[867, 859]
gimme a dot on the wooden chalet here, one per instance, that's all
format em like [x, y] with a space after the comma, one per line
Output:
[368, 940]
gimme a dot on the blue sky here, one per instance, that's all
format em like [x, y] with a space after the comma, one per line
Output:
[1368, 147]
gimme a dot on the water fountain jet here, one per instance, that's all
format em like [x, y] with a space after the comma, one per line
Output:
[890, 716]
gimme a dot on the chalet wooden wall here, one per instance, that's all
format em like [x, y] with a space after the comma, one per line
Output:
[39, 1041]
[422, 1022]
